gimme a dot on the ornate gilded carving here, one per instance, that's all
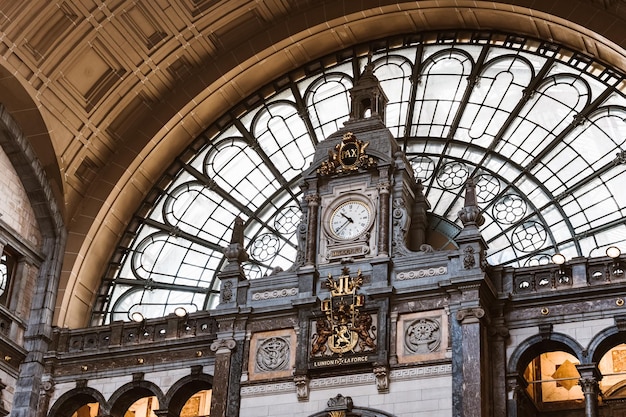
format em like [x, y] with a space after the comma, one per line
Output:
[344, 328]
[322, 332]
[347, 156]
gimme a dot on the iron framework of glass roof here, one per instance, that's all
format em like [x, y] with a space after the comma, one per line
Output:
[541, 128]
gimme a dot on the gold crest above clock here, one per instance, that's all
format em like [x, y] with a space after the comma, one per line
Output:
[349, 155]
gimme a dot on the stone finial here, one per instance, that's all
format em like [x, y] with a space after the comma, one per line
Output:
[235, 252]
[470, 214]
[238, 227]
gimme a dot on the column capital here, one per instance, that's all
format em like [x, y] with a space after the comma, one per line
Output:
[589, 371]
[312, 199]
[470, 315]
[383, 187]
[223, 345]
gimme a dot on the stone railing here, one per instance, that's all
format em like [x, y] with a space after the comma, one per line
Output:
[576, 273]
[131, 334]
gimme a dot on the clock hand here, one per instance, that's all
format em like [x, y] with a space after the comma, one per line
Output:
[349, 218]
[340, 228]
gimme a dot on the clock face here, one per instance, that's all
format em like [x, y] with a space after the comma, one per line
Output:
[350, 219]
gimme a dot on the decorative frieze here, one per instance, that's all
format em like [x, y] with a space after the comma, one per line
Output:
[422, 371]
[272, 294]
[303, 385]
[422, 273]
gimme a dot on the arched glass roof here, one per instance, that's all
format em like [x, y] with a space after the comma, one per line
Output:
[542, 129]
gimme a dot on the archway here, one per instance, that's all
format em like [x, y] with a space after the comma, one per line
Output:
[191, 396]
[77, 403]
[138, 395]
[544, 368]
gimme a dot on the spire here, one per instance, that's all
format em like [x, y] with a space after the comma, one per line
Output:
[368, 98]
[235, 252]
[470, 214]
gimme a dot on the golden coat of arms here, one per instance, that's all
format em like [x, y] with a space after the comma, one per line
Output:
[344, 327]
[349, 155]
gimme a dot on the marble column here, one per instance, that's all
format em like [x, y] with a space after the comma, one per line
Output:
[383, 217]
[498, 336]
[313, 201]
[219, 400]
[589, 378]
[471, 371]
[516, 394]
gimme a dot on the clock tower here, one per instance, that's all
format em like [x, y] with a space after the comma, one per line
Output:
[362, 201]
[363, 209]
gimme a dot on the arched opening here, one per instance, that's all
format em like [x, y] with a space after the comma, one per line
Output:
[136, 399]
[198, 405]
[191, 396]
[82, 402]
[143, 407]
[543, 371]
[87, 410]
[612, 386]
[552, 379]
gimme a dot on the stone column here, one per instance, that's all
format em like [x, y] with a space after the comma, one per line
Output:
[498, 335]
[313, 201]
[589, 378]
[383, 218]
[472, 372]
[223, 351]
[516, 394]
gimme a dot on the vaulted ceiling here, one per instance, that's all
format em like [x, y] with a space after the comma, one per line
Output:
[110, 92]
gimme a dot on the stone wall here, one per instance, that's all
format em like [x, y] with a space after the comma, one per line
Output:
[413, 392]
